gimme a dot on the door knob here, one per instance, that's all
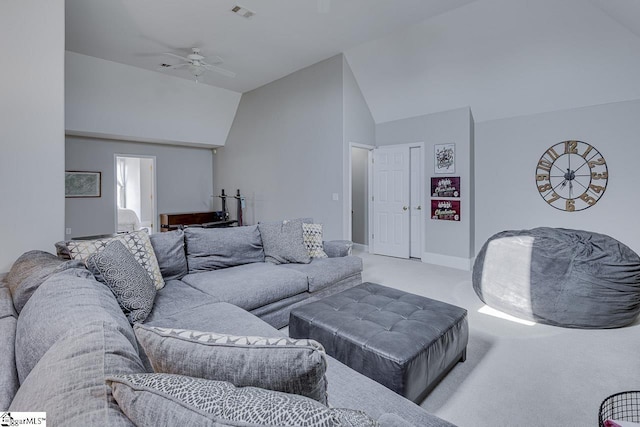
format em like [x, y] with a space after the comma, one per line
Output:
[419, 208]
[404, 208]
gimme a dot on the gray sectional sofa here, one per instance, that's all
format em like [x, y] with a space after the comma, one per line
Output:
[65, 336]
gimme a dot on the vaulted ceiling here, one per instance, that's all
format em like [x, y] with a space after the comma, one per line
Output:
[500, 57]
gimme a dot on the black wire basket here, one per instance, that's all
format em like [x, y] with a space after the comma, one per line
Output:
[624, 406]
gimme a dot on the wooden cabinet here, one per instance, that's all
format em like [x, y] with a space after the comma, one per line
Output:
[173, 221]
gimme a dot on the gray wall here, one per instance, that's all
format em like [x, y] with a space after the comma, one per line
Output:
[108, 99]
[31, 127]
[447, 242]
[358, 123]
[360, 128]
[183, 178]
[285, 149]
[509, 149]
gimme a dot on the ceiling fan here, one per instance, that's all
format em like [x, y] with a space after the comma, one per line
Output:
[195, 64]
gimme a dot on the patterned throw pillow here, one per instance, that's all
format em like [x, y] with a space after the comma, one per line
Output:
[296, 366]
[312, 235]
[137, 242]
[170, 400]
[116, 267]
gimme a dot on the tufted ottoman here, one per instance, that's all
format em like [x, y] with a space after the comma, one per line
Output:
[403, 341]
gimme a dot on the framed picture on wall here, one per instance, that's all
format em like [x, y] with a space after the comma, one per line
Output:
[444, 158]
[82, 184]
[447, 210]
[445, 186]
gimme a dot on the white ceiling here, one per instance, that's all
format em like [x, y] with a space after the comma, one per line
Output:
[502, 58]
[283, 36]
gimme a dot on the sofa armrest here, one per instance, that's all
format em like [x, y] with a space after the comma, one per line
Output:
[337, 248]
[8, 372]
[393, 420]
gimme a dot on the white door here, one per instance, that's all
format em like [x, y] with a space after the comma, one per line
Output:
[391, 194]
[416, 202]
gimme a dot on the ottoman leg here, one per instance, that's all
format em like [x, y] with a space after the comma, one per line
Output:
[463, 356]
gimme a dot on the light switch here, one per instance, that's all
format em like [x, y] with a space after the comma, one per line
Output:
[336, 196]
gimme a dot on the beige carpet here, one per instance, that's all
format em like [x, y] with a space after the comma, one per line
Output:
[517, 375]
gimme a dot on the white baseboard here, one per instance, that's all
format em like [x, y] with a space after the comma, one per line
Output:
[447, 261]
[361, 247]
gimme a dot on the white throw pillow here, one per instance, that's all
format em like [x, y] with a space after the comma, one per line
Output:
[312, 235]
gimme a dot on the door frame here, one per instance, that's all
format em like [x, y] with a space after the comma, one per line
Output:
[154, 178]
[409, 145]
[425, 186]
[348, 218]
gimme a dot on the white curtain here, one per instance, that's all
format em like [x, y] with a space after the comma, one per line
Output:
[122, 182]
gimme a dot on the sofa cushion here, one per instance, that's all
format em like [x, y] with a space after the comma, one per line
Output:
[222, 317]
[8, 374]
[178, 297]
[68, 383]
[284, 242]
[323, 272]
[117, 268]
[170, 252]
[29, 271]
[312, 235]
[214, 248]
[279, 363]
[137, 242]
[169, 400]
[65, 300]
[249, 286]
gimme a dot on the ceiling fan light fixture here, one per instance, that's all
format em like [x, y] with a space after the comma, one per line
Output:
[196, 70]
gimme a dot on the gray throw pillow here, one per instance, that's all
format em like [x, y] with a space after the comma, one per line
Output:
[169, 249]
[168, 400]
[116, 267]
[284, 364]
[284, 242]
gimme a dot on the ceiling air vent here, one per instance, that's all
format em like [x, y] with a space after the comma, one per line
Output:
[241, 11]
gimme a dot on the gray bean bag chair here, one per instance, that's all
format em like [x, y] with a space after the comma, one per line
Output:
[560, 277]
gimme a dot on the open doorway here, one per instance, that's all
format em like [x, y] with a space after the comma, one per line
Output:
[360, 188]
[135, 193]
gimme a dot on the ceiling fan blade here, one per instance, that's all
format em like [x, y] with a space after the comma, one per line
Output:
[214, 60]
[177, 56]
[219, 70]
[173, 67]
